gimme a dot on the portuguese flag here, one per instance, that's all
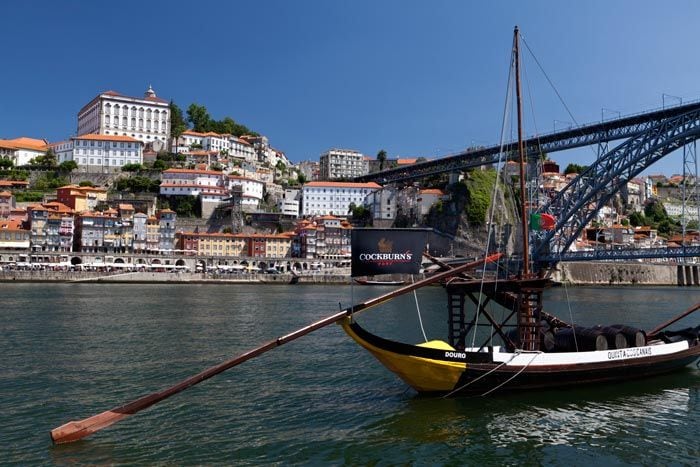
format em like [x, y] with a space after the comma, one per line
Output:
[542, 221]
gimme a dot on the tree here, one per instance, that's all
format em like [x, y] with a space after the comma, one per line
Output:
[199, 117]
[132, 167]
[655, 211]
[381, 157]
[575, 169]
[86, 183]
[6, 163]
[301, 178]
[159, 164]
[68, 166]
[178, 124]
[637, 219]
[48, 159]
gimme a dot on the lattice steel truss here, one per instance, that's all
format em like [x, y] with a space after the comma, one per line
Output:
[586, 135]
[576, 205]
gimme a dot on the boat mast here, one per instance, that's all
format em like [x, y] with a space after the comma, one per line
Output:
[521, 155]
[530, 300]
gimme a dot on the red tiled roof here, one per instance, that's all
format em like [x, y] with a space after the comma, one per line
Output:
[190, 171]
[96, 137]
[342, 185]
[11, 224]
[26, 143]
[193, 185]
[12, 183]
[432, 191]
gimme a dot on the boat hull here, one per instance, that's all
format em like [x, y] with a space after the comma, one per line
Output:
[440, 370]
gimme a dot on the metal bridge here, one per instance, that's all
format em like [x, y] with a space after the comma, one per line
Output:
[585, 135]
[647, 138]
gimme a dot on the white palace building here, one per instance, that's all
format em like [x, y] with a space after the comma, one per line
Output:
[146, 119]
[100, 153]
[324, 198]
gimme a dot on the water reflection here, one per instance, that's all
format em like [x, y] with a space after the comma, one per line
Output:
[647, 418]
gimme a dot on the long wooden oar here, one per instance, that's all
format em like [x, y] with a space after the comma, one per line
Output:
[75, 430]
[658, 328]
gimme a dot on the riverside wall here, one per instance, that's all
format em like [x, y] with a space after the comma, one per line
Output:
[575, 273]
[169, 277]
[608, 273]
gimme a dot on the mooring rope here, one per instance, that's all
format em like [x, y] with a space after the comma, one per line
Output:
[517, 352]
[537, 353]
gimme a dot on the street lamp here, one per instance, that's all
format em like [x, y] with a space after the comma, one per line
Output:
[664, 96]
[603, 110]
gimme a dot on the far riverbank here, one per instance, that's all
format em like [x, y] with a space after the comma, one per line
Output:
[580, 273]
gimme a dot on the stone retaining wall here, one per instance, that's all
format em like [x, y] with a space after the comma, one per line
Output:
[607, 273]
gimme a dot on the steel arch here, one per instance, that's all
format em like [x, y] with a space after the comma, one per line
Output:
[576, 205]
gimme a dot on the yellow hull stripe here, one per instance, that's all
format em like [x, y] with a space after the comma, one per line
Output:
[422, 374]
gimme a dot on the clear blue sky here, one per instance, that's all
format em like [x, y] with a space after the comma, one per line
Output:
[416, 78]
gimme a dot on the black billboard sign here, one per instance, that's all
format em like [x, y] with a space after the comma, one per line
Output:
[387, 251]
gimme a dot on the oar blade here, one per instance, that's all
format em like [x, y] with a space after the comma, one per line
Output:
[75, 430]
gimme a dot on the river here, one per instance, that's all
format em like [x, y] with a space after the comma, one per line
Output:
[69, 351]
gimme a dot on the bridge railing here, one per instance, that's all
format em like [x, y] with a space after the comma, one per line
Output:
[623, 253]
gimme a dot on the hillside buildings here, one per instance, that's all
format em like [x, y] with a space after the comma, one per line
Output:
[146, 119]
[22, 150]
[342, 163]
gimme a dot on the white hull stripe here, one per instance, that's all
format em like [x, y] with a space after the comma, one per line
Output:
[598, 356]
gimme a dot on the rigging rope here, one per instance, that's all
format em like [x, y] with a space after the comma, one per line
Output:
[556, 91]
[420, 321]
[509, 96]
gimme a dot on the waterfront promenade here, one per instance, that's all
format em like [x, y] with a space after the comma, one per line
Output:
[116, 276]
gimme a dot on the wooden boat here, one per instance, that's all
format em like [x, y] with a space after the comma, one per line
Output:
[376, 282]
[537, 350]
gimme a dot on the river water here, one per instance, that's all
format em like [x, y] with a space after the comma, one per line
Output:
[68, 351]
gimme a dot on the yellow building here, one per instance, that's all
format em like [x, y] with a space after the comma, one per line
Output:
[81, 198]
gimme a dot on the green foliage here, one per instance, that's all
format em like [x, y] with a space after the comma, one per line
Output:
[227, 230]
[160, 164]
[49, 181]
[575, 169]
[360, 215]
[137, 184]
[199, 117]
[184, 206]
[637, 219]
[692, 225]
[625, 222]
[655, 211]
[132, 167]
[301, 178]
[47, 160]
[178, 124]
[216, 167]
[86, 183]
[480, 189]
[68, 166]
[29, 196]
[381, 157]
[6, 163]
[16, 174]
